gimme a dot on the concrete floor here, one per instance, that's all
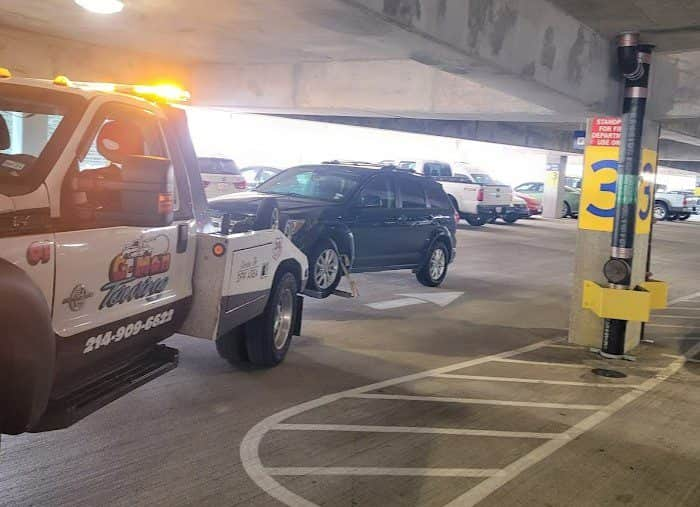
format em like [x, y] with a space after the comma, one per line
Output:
[494, 440]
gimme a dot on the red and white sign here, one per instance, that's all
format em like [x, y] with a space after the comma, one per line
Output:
[606, 131]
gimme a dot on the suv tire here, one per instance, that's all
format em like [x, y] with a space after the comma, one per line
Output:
[325, 270]
[434, 270]
[269, 335]
[475, 220]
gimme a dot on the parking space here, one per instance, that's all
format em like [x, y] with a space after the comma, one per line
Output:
[467, 395]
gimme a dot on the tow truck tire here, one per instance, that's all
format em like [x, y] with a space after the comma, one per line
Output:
[269, 335]
[28, 352]
[683, 216]
[510, 218]
[268, 215]
[475, 220]
[232, 346]
[434, 270]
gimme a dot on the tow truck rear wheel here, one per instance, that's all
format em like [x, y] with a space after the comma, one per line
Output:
[269, 335]
[232, 346]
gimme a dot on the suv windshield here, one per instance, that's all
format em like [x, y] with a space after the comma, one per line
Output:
[31, 120]
[326, 183]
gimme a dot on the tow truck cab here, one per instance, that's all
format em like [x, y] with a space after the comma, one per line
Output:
[102, 218]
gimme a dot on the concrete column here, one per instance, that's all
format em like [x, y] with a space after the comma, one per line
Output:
[553, 199]
[593, 250]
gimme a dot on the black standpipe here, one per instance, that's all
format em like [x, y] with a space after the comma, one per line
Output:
[634, 61]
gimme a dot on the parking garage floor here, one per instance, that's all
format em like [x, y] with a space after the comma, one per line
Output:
[408, 396]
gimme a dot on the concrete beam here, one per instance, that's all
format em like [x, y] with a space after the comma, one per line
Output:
[34, 55]
[558, 137]
[677, 151]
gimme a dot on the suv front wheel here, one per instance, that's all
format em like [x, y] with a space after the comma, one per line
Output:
[434, 270]
[325, 270]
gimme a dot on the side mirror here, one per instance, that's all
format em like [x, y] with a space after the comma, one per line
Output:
[370, 201]
[141, 193]
[149, 189]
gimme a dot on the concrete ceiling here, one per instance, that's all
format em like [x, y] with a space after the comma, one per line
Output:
[673, 25]
[218, 31]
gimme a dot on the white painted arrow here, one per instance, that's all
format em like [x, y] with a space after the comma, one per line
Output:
[438, 298]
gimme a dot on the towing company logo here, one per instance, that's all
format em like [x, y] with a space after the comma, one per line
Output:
[133, 274]
[78, 296]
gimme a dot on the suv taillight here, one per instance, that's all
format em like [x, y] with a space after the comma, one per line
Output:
[480, 194]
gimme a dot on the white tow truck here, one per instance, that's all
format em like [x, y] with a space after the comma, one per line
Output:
[107, 248]
[476, 197]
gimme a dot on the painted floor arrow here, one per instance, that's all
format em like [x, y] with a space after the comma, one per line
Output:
[441, 299]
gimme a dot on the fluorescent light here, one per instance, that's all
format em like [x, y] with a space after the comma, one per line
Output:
[101, 6]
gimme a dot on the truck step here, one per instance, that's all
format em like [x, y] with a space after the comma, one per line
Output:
[66, 411]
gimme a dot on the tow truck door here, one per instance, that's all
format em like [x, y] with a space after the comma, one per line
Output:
[120, 289]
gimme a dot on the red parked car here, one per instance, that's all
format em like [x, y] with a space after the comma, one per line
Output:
[534, 206]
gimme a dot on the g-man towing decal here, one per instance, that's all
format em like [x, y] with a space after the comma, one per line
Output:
[131, 273]
[132, 329]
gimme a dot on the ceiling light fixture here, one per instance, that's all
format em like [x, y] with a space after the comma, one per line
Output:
[101, 6]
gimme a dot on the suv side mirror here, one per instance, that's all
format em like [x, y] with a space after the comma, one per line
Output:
[370, 201]
[141, 193]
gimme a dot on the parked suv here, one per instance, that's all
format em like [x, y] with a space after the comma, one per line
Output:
[220, 176]
[367, 217]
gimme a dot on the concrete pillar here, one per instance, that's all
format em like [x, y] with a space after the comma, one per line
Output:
[594, 237]
[553, 198]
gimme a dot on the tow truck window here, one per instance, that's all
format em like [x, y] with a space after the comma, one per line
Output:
[26, 129]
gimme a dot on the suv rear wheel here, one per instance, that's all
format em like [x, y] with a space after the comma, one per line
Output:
[434, 270]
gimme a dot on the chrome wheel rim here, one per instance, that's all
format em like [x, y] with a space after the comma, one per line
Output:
[437, 264]
[326, 268]
[659, 213]
[282, 322]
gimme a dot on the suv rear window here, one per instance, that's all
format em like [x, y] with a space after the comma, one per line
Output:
[437, 169]
[437, 198]
[412, 193]
[218, 166]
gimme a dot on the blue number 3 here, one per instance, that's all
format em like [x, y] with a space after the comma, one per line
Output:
[604, 187]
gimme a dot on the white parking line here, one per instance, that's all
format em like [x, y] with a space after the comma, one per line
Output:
[417, 430]
[535, 381]
[684, 298]
[250, 457]
[485, 488]
[476, 401]
[542, 363]
[691, 308]
[396, 303]
[494, 479]
[411, 472]
[689, 317]
[672, 326]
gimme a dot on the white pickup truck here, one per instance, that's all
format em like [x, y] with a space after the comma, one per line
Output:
[107, 247]
[674, 205]
[476, 196]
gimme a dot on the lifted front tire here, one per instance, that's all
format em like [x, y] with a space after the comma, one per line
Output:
[434, 270]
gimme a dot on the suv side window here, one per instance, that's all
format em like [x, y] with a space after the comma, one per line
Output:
[378, 189]
[437, 198]
[412, 193]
